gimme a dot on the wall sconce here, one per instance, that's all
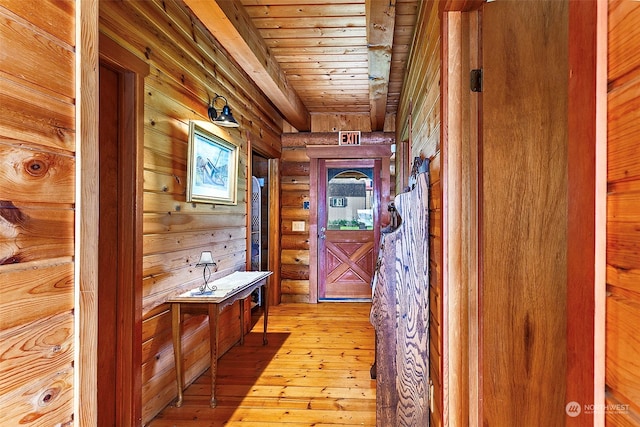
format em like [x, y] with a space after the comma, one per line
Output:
[206, 261]
[225, 118]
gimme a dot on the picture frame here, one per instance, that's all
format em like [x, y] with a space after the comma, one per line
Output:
[212, 167]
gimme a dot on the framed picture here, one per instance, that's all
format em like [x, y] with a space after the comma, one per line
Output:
[212, 166]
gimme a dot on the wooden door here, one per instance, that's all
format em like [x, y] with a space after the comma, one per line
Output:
[523, 213]
[348, 224]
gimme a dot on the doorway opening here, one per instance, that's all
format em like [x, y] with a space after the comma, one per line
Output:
[260, 212]
[119, 247]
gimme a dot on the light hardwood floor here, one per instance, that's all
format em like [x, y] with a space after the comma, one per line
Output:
[314, 372]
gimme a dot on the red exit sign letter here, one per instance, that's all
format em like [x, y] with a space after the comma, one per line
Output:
[349, 137]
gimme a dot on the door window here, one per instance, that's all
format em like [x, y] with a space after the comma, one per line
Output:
[349, 199]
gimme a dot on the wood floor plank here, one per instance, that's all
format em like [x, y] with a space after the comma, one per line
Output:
[315, 371]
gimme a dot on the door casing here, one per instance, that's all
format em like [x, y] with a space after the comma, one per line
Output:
[317, 152]
[128, 294]
[362, 242]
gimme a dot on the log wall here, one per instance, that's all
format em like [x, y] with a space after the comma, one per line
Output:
[37, 199]
[623, 215]
[418, 126]
[187, 68]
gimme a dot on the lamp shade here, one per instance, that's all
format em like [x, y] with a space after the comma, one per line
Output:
[205, 258]
[226, 119]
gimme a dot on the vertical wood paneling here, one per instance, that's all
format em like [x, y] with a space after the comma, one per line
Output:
[623, 214]
[523, 206]
[37, 198]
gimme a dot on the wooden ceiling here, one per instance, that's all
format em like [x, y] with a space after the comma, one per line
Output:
[318, 56]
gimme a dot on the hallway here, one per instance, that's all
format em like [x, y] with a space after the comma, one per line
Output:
[313, 372]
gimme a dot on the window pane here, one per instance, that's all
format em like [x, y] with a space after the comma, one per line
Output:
[349, 199]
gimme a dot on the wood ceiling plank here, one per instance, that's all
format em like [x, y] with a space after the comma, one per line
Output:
[305, 10]
[332, 71]
[324, 65]
[320, 50]
[305, 33]
[275, 43]
[303, 83]
[310, 22]
[292, 59]
[230, 24]
[380, 30]
[327, 77]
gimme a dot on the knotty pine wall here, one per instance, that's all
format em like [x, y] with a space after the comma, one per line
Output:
[421, 99]
[187, 67]
[622, 373]
[37, 199]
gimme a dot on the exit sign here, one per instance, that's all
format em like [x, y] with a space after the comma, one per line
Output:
[349, 137]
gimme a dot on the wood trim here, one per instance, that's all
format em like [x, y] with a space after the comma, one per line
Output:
[313, 230]
[587, 186]
[87, 205]
[455, 327]
[348, 151]
[317, 152]
[304, 139]
[129, 352]
[249, 198]
[474, 119]
[275, 287]
[460, 5]
[321, 251]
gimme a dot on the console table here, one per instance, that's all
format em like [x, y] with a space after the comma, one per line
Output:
[234, 287]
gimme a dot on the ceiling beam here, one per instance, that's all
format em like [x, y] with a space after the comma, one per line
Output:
[232, 27]
[381, 20]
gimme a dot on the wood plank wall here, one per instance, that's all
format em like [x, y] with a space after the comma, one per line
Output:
[421, 100]
[295, 188]
[187, 68]
[622, 373]
[37, 188]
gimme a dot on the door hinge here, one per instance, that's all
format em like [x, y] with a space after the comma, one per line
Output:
[476, 80]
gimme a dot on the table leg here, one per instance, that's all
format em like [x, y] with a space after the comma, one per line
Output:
[177, 348]
[213, 343]
[241, 301]
[265, 302]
